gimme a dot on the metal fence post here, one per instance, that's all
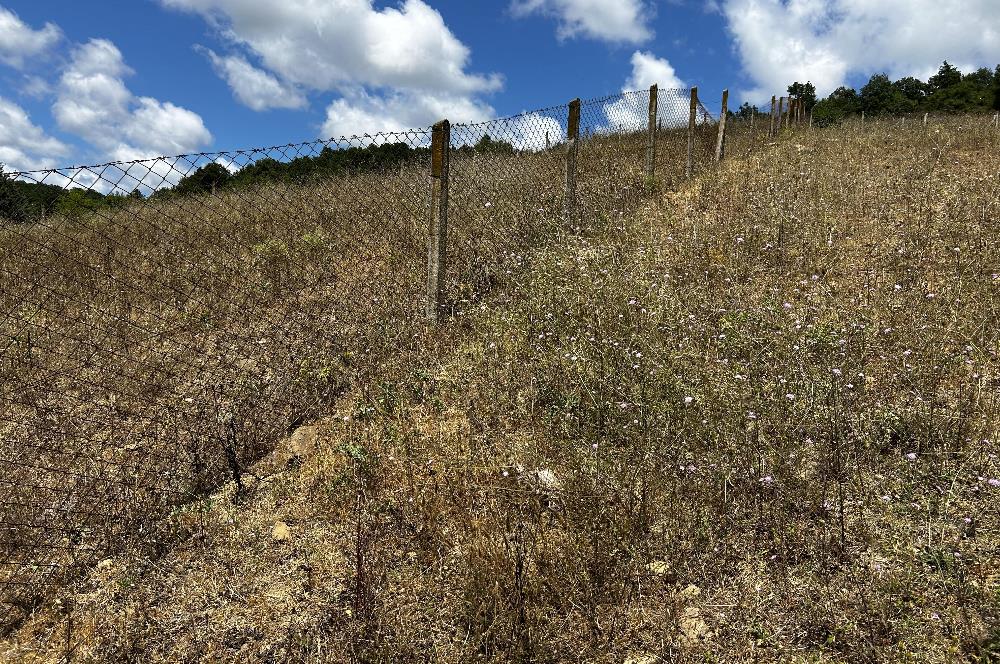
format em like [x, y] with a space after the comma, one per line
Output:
[689, 171]
[720, 146]
[437, 237]
[572, 141]
[651, 132]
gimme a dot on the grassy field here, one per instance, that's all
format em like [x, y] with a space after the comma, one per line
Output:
[752, 417]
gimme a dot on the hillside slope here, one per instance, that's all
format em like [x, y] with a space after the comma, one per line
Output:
[757, 421]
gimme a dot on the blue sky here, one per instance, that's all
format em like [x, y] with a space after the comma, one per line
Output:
[119, 79]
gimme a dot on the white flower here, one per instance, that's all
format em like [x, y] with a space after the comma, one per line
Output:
[688, 400]
[912, 456]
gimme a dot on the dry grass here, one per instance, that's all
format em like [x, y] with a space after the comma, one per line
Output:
[755, 420]
[155, 351]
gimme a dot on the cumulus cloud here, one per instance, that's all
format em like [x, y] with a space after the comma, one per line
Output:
[533, 131]
[254, 87]
[19, 42]
[825, 41]
[621, 21]
[647, 69]
[24, 145]
[391, 68]
[93, 102]
[672, 107]
[347, 42]
[359, 112]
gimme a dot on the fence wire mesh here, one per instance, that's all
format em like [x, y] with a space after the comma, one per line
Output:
[166, 321]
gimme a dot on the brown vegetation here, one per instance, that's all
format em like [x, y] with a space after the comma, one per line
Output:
[751, 419]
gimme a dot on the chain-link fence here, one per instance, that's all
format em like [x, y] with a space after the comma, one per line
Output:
[163, 322]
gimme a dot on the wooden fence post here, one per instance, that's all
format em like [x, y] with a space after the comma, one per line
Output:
[437, 238]
[572, 140]
[781, 113]
[720, 146]
[689, 170]
[774, 100]
[996, 120]
[651, 139]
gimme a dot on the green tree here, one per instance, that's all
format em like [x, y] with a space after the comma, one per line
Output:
[804, 91]
[913, 90]
[12, 204]
[996, 89]
[947, 76]
[205, 179]
[746, 111]
[881, 97]
[491, 146]
[77, 202]
[842, 103]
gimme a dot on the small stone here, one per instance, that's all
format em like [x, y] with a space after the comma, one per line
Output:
[659, 567]
[281, 532]
[641, 658]
[693, 628]
[690, 592]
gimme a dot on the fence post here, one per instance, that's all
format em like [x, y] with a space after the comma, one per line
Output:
[925, 119]
[781, 113]
[774, 100]
[810, 119]
[437, 239]
[996, 120]
[651, 141]
[689, 171]
[572, 139]
[720, 146]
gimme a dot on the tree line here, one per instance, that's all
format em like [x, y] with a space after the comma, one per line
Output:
[26, 201]
[947, 91]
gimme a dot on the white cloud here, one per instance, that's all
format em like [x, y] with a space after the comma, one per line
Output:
[19, 42]
[358, 112]
[254, 87]
[532, 131]
[825, 41]
[648, 69]
[93, 102]
[618, 21]
[343, 44]
[24, 145]
[630, 113]
[391, 69]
